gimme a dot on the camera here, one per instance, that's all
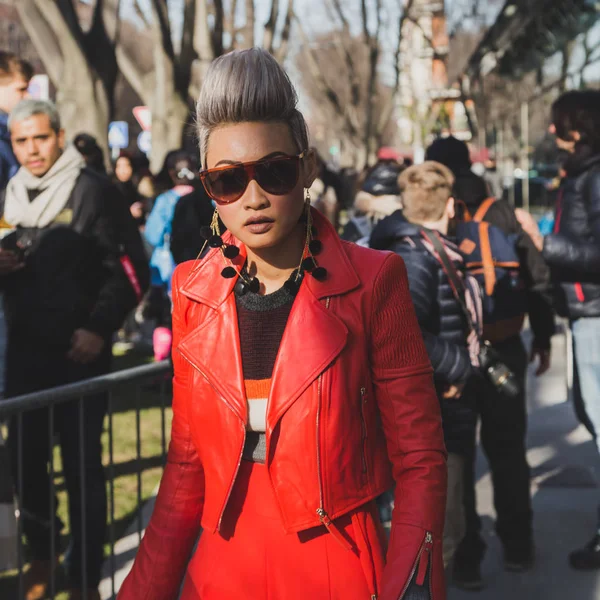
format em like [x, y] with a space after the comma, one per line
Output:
[19, 242]
[497, 373]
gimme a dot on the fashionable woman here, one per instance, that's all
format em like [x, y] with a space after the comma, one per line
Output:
[301, 386]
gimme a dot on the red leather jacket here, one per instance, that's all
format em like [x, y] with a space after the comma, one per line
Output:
[352, 404]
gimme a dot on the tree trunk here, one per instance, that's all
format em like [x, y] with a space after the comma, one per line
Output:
[168, 124]
[82, 98]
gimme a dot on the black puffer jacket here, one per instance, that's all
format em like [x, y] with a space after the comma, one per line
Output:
[73, 277]
[441, 319]
[573, 252]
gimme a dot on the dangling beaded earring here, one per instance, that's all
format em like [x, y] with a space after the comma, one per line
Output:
[312, 247]
[214, 239]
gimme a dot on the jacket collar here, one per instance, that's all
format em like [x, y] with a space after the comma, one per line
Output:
[314, 336]
[205, 284]
[583, 159]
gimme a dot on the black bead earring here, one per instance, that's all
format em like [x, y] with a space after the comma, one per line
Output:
[214, 239]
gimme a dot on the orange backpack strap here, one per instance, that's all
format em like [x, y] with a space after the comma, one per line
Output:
[489, 273]
[462, 212]
[483, 209]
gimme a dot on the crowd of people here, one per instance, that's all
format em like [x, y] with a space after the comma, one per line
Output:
[341, 386]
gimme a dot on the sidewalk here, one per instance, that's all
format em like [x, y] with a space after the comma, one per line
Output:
[564, 464]
[562, 458]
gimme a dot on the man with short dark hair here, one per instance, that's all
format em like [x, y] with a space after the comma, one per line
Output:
[74, 268]
[15, 75]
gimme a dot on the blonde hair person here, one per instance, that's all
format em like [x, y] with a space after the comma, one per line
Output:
[302, 386]
[427, 194]
[451, 344]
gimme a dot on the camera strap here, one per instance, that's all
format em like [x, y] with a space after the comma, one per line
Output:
[455, 280]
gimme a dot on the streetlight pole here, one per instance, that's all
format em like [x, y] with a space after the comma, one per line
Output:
[525, 154]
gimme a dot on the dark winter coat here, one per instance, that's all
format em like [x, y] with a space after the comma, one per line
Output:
[573, 251]
[192, 212]
[441, 319]
[8, 163]
[73, 276]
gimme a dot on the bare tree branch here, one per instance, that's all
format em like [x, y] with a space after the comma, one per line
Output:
[47, 43]
[161, 18]
[282, 51]
[269, 33]
[140, 14]
[229, 25]
[374, 45]
[248, 30]
[328, 92]
[131, 71]
[346, 53]
[217, 33]
[386, 113]
[203, 44]
[69, 14]
[188, 54]
[365, 20]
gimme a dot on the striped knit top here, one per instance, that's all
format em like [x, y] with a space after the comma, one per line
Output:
[261, 323]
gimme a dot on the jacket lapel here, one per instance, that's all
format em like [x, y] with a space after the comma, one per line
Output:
[213, 346]
[313, 338]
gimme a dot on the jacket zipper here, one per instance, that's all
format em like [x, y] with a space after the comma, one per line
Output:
[579, 292]
[363, 401]
[422, 565]
[321, 512]
[237, 469]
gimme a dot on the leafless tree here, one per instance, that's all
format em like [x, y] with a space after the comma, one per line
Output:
[81, 64]
[84, 63]
[341, 72]
[175, 76]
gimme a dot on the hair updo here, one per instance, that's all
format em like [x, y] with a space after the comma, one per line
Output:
[248, 86]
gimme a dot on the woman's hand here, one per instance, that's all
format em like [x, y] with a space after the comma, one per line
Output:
[530, 227]
[137, 210]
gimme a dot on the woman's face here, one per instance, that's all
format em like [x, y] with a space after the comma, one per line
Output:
[258, 219]
[123, 169]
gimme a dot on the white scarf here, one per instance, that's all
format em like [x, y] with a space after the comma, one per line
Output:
[54, 189]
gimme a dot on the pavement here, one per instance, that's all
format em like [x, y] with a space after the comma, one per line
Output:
[565, 469]
[565, 466]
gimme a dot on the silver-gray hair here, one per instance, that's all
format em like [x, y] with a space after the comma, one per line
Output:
[31, 107]
[248, 86]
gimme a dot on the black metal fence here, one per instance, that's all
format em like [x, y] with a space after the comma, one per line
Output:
[135, 385]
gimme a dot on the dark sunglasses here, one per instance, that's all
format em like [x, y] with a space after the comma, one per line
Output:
[278, 176]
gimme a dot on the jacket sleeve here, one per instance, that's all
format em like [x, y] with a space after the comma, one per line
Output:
[579, 256]
[577, 259]
[174, 527]
[116, 234]
[567, 254]
[8, 163]
[410, 412]
[450, 362]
